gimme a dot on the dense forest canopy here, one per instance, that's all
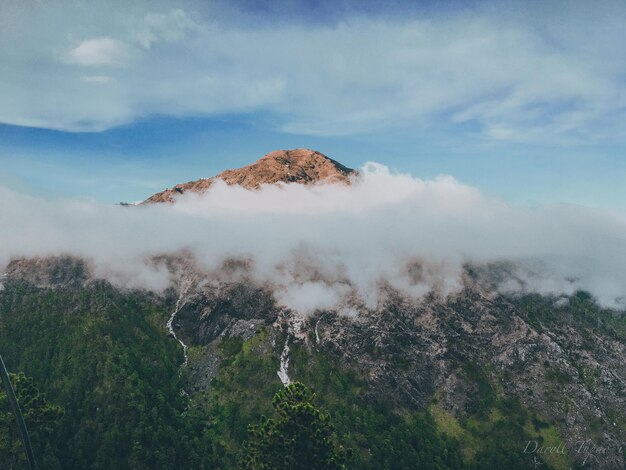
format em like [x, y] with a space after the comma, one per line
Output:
[103, 389]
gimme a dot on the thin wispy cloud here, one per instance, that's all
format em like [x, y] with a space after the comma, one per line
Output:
[505, 74]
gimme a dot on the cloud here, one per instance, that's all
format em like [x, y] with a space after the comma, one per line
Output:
[335, 245]
[96, 78]
[533, 74]
[171, 26]
[98, 51]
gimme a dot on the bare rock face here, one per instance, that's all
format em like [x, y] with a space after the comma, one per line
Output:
[282, 166]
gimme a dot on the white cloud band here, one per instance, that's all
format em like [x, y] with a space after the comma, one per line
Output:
[333, 241]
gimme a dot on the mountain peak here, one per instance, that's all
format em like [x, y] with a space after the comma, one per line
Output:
[301, 165]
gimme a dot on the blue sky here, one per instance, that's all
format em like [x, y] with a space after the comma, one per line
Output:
[112, 101]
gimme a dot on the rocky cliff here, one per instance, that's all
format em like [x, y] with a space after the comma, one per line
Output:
[559, 358]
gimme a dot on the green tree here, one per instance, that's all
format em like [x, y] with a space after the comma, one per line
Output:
[41, 418]
[301, 436]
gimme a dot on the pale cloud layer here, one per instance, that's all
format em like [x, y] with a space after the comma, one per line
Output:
[322, 247]
[542, 74]
[98, 51]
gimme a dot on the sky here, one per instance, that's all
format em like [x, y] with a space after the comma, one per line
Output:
[112, 100]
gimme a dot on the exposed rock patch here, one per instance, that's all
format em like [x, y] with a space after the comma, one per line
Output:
[282, 166]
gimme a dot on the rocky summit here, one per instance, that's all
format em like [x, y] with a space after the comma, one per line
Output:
[282, 166]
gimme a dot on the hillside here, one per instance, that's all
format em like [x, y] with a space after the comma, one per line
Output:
[465, 381]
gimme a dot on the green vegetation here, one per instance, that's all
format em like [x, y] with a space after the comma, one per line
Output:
[104, 356]
[40, 416]
[580, 309]
[491, 434]
[300, 437]
[378, 435]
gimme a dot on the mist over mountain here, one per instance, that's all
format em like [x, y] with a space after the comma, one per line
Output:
[376, 227]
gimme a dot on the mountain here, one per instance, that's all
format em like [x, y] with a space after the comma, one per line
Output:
[470, 380]
[282, 166]
[493, 371]
[477, 379]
